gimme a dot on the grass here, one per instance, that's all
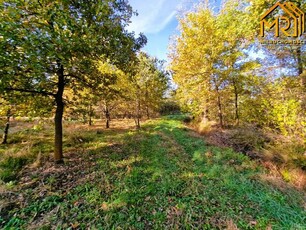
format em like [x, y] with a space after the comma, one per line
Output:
[160, 177]
[284, 156]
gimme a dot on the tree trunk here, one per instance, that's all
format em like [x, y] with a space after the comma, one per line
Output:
[107, 116]
[303, 96]
[236, 109]
[220, 111]
[147, 111]
[300, 67]
[90, 116]
[137, 120]
[301, 70]
[146, 98]
[304, 81]
[302, 75]
[107, 123]
[219, 104]
[90, 121]
[299, 61]
[58, 143]
[205, 118]
[7, 126]
[236, 104]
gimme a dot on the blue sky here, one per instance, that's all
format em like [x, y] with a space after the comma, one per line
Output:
[157, 20]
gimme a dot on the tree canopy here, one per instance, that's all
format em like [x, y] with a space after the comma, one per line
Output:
[48, 46]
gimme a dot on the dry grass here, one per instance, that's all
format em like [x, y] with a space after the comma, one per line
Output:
[31, 142]
[206, 128]
[231, 225]
[283, 157]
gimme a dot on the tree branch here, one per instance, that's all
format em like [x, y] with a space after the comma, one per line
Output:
[87, 84]
[31, 91]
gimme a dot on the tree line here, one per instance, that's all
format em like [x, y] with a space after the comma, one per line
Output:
[223, 73]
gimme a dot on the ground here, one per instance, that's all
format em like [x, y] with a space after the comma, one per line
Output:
[163, 176]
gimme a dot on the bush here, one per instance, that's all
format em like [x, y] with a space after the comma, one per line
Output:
[170, 107]
[246, 139]
[79, 138]
[206, 127]
[188, 119]
[289, 153]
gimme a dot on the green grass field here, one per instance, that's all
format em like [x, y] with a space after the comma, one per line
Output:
[163, 176]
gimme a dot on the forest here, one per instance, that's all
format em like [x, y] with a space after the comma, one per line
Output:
[99, 134]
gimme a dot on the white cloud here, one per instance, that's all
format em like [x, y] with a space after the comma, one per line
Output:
[153, 16]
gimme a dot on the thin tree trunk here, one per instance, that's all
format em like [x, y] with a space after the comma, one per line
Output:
[236, 109]
[303, 96]
[90, 116]
[58, 144]
[304, 81]
[300, 67]
[107, 123]
[147, 98]
[107, 116]
[147, 111]
[302, 75]
[236, 104]
[219, 104]
[205, 118]
[7, 126]
[220, 111]
[299, 61]
[137, 120]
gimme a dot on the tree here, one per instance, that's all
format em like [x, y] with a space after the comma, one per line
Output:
[110, 86]
[48, 46]
[281, 61]
[148, 84]
[153, 80]
[15, 104]
[81, 104]
[207, 57]
[6, 111]
[287, 57]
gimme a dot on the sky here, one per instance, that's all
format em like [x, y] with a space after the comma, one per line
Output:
[157, 20]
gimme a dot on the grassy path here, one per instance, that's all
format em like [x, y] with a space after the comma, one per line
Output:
[162, 177]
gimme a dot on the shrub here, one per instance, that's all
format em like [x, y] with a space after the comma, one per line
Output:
[170, 107]
[188, 119]
[206, 127]
[246, 139]
[289, 153]
[79, 138]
